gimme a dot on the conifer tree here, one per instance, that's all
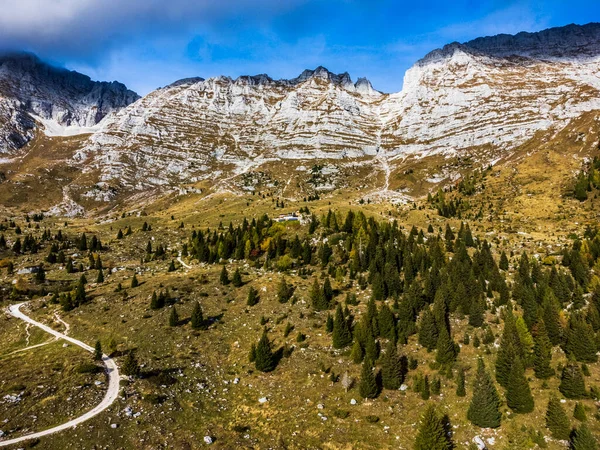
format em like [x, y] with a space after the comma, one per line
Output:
[224, 277]
[556, 420]
[436, 386]
[476, 313]
[80, 295]
[157, 301]
[265, 359]
[237, 278]
[134, 282]
[197, 319]
[171, 267]
[518, 393]
[173, 318]
[446, 350]
[484, 407]
[425, 392]
[329, 323]
[579, 412]
[510, 348]
[386, 323]
[460, 384]
[100, 278]
[357, 354]
[327, 291]
[284, 291]
[392, 370]
[572, 384]
[120, 234]
[580, 340]
[342, 336]
[433, 432]
[367, 387]
[98, 351]
[583, 439]
[503, 264]
[542, 353]
[252, 353]
[317, 298]
[130, 367]
[252, 297]
[428, 332]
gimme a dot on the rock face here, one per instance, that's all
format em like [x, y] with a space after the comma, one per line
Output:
[65, 102]
[483, 97]
[488, 95]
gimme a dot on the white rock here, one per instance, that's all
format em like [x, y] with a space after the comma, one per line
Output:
[353, 402]
[263, 400]
[208, 440]
[479, 443]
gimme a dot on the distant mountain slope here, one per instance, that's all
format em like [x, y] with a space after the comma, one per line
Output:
[64, 101]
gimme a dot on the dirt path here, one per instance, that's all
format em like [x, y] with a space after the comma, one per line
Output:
[111, 369]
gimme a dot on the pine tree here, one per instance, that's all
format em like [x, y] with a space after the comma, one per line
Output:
[157, 301]
[572, 384]
[460, 384]
[327, 291]
[342, 336]
[357, 354]
[580, 340]
[476, 313]
[173, 318]
[80, 295]
[583, 439]
[265, 359]
[428, 332]
[224, 277]
[436, 386]
[425, 393]
[387, 323]
[446, 351]
[503, 264]
[284, 291]
[197, 319]
[130, 367]
[556, 420]
[134, 282]
[252, 297]
[329, 323]
[318, 300]
[510, 348]
[392, 370]
[579, 412]
[98, 351]
[100, 278]
[518, 393]
[252, 353]
[542, 353]
[433, 432]
[120, 234]
[171, 267]
[237, 278]
[40, 275]
[484, 408]
[367, 387]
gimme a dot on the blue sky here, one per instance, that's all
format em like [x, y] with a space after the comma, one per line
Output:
[150, 43]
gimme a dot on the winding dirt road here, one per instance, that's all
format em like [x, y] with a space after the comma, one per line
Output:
[111, 369]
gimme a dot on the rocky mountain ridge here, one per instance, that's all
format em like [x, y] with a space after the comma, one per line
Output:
[63, 101]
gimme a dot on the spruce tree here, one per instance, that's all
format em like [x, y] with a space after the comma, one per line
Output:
[518, 393]
[387, 323]
[579, 412]
[392, 370]
[436, 386]
[173, 318]
[357, 354]
[510, 348]
[342, 336]
[580, 340]
[556, 420]
[317, 298]
[327, 291]
[224, 277]
[80, 295]
[197, 319]
[572, 384]
[98, 351]
[252, 353]
[446, 351]
[503, 264]
[484, 407]
[460, 384]
[100, 278]
[284, 291]
[130, 367]
[476, 313]
[542, 353]
[265, 360]
[329, 323]
[433, 432]
[171, 267]
[157, 301]
[367, 387]
[583, 439]
[134, 282]
[428, 332]
[237, 278]
[252, 297]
